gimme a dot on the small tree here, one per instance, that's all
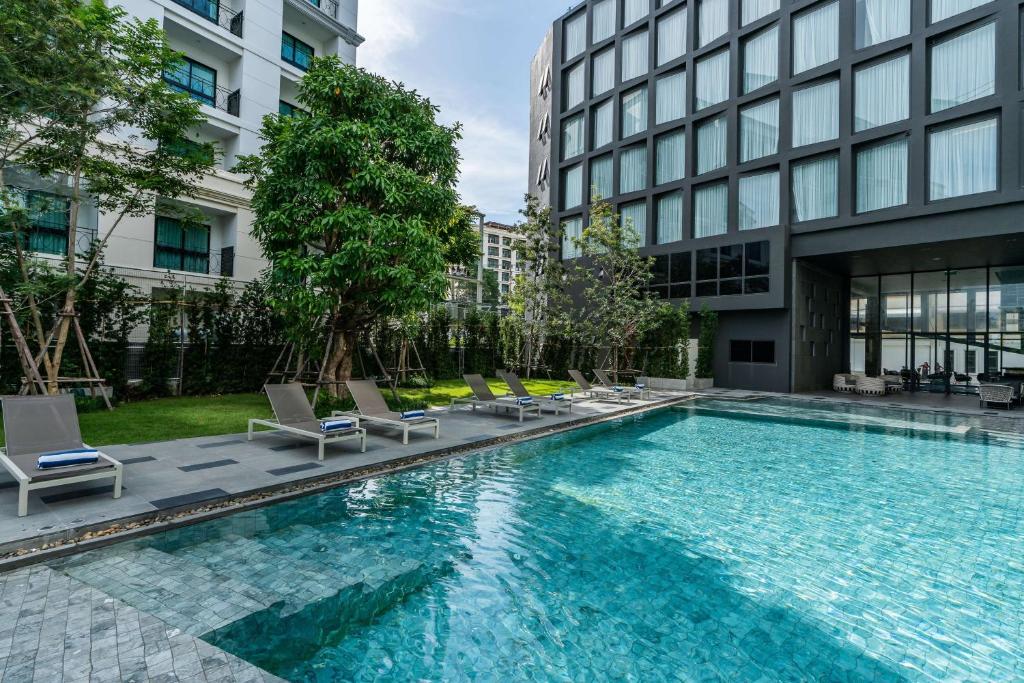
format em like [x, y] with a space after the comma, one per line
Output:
[617, 309]
[706, 343]
[356, 206]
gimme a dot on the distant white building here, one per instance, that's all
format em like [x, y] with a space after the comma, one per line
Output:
[500, 249]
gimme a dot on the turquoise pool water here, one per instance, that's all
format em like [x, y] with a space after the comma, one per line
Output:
[679, 545]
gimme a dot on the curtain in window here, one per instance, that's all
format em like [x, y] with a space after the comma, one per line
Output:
[711, 145]
[964, 160]
[671, 36]
[963, 68]
[575, 35]
[815, 189]
[604, 20]
[168, 243]
[759, 130]
[574, 86]
[635, 10]
[572, 187]
[634, 112]
[711, 210]
[49, 216]
[633, 169]
[572, 137]
[816, 38]
[603, 132]
[761, 60]
[603, 72]
[634, 56]
[942, 9]
[197, 248]
[571, 231]
[882, 93]
[712, 20]
[759, 201]
[882, 176]
[670, 97]
[670, 218]
[601, 178]
[712, 80]
[670, 158]
[634, 216]
[816, 114]
[880, 20]
[753, 10]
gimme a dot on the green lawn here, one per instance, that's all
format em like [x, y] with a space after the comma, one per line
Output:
[179, 418]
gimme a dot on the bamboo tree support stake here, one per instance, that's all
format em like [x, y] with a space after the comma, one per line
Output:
[33, 380]
[90, 364]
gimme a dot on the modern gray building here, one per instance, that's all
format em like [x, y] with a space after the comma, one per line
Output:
[840, 179]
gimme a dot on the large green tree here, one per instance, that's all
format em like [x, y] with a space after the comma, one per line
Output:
[89, 105]
[356, 205]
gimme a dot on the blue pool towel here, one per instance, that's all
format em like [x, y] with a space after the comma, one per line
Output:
[413, 414]
[335, 425]
[78, 456]
[639, 387]
[524, 400]
[557, 396]
[617, 389]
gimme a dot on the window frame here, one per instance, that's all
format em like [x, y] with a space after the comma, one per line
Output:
[181, 252]
[295, 44]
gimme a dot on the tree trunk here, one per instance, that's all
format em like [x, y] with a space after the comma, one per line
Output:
[339, 361]
[64, 324]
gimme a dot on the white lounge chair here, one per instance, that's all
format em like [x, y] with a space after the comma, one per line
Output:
[294, 417]
[844, 383]
[373, 409]
[35, 426]
[871, 386]
[597, 393]
[484, 397]
[996, 393]
[639, 390]
[554, 402]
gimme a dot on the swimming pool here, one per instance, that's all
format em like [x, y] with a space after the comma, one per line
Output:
[715, 543]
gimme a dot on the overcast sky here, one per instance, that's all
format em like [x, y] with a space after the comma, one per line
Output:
[472, 59]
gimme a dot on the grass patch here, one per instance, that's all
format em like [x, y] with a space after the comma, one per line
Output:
[185, 417]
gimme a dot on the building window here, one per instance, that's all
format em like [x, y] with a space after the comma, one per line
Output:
[196, 80]
[943, 9]
[289, 109]
[634, 11]
[712, 84]
[815, 188]
[633, 169]
[604, 20]
[711, 210]
[759, 130]
[506, 241]
[492, 239]
[882, 175]
[671, 275]
[181, 245]
[603, 72]
[492, 251]
[670, 157]
[816, 114]
[877, 21]
[963, 68]
[761, 59]
[572, 137]
[881, 93]
[49, 216]
[296, 52]
[634, 220]
[744, 351]
[572, 230]
[573, 91]
[707, 272]
[752, 10]
[756, 267]
[492, 263]
[963, 159]
[634, 112]
[670, 218]
[572, 187]
[816, 37]
[671, 36]
[601, 178]
[634, 56]
[712, 20]
[759, 200]
[602, 124]
[506, 265]
[575, 35]
[670, 97]
[711, 144]
[506, 253]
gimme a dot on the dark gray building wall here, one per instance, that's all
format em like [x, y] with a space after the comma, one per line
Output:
[541, 88]
[772, 325]
[820, 321]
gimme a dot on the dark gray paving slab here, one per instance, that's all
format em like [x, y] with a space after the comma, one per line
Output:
[188, 498]
[292, 469]
[208, 465]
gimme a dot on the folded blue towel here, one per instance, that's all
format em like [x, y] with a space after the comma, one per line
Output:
[620, 389]
[78, 456]
[413, 414]
[558, 396]
[335, 425]
[524, 400]
[639, 387]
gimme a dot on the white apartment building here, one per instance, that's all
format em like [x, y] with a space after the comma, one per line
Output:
[243, 60]
[500, 253]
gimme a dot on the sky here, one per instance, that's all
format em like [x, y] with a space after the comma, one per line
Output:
[472, 59]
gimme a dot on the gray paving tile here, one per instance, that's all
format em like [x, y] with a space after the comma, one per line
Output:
[292, 469]
[208, 465]
[188, 498]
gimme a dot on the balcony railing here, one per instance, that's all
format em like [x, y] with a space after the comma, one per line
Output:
[200, 90]
[215, 12]
[328, 7]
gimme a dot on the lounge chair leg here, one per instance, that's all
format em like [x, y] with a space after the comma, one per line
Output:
[250, 431]
[405, 436]
[363, 440]
[118, 480]
[437, 430]
[320, 449]
[23, 499]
